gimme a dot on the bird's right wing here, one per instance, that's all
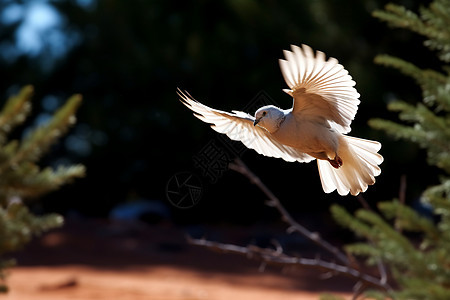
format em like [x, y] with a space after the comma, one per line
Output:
[320, 87]
[238, 126]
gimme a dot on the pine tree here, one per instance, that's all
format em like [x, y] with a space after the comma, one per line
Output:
[420, 267]
[22, 178]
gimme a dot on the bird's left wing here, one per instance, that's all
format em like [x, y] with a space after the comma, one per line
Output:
[238, 126]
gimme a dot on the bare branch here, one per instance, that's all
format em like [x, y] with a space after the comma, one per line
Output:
[240, 167]
[347, 265]
[274, 257]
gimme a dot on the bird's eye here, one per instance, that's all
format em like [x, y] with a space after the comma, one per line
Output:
[264, 113]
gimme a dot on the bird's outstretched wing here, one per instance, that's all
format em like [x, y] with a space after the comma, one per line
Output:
[238, 126]
[320, 87]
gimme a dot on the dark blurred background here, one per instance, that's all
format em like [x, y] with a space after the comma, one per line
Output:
[128, 57]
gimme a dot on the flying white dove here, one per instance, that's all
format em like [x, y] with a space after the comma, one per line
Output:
[325, 103]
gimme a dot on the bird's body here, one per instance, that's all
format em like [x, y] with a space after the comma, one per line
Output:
[311, 136]
[325, 103]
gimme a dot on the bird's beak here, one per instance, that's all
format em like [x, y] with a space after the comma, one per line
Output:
[256, 121]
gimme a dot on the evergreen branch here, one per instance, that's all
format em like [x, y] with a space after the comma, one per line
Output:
[395, 246]
[437, 25]
[376, 295]
[409, 69]
[366, 250]
[14, 112]
[400, 131]
[384, 241]
[40, 140]
[441, 9]
[31, 182]
[437, 128]
[399, 16]
[8, 151]
[327, 296]
[347, 220]
[408, 219]
[438, 197]
[21, 177]
[277, 257]
[430, 132]
[294, 226]
[18, 225]
[432, 23]
[403, 66]
[361, 229]
[427, 119]
[414, 289]
[433, 84]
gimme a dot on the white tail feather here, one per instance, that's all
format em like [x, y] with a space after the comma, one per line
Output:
[360, 166]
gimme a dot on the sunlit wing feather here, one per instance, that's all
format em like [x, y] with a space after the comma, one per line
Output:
[320, 87]
[238, 126]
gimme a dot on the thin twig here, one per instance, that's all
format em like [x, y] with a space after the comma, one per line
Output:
[402, 189]
[271, 256]
[358, 289]
[381, 267]
[363, 202]
[240, 167]
[401, 199]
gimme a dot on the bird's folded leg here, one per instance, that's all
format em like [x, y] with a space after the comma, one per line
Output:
[336, 162]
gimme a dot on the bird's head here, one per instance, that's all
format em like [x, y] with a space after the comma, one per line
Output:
[269, 117]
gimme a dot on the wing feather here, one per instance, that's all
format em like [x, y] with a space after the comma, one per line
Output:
[238, 126]
[320, 87]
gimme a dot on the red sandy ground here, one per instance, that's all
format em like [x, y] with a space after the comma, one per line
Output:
[99, 260]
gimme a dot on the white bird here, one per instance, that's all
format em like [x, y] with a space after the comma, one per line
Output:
[324, 104]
